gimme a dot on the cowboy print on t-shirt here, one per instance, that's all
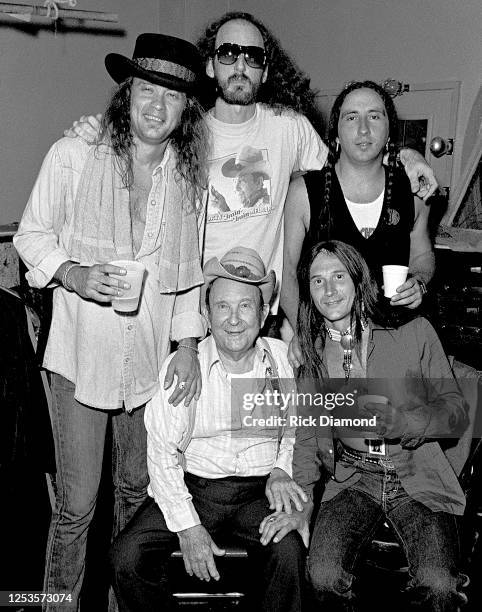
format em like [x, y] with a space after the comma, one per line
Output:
[240, 185]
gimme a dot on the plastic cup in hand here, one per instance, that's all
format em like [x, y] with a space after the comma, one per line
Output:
[129, 300]
[393, 277]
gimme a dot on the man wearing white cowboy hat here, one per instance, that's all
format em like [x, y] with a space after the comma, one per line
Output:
[131, 196]
[210, 470]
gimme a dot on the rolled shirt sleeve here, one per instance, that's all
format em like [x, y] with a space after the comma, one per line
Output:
[187, 321]
[284, 460]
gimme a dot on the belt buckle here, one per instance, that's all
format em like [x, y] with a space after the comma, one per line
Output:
[376, 448]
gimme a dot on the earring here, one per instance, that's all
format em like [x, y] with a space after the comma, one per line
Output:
[337, 150]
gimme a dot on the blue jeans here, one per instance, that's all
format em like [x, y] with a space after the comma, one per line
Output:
[79, 435]
[346, 524]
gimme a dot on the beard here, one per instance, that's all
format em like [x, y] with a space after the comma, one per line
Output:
[232, 91]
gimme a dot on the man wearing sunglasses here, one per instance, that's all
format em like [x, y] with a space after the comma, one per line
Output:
[259, 98]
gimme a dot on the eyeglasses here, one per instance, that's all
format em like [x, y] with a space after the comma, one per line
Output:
[228, 54]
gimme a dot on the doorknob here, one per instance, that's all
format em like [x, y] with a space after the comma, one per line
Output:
[440, 146]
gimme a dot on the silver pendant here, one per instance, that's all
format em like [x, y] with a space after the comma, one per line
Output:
[347, 342]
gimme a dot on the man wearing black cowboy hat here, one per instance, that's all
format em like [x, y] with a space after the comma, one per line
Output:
[94, 209]
[230, 472]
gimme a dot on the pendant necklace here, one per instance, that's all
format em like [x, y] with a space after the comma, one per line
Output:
[347, 343]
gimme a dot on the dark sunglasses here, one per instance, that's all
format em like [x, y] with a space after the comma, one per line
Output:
[228, 54]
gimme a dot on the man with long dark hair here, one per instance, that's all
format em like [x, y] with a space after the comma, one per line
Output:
[133, 195]
[391, 470]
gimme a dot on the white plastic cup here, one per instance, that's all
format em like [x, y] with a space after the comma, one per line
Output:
[393, 277]
[129, 300]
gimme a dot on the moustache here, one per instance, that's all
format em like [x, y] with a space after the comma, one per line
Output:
[238, 77]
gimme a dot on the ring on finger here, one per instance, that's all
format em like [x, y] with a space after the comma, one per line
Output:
[182, 384]
[271, 519]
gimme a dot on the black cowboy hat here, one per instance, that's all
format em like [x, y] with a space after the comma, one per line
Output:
[164, 60]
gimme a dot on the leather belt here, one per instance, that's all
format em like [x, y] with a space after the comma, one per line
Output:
[361, 456]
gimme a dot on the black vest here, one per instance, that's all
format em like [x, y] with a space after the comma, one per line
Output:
[389, 242]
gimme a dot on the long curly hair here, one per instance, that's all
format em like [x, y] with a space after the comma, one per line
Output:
[366, 303]
[190, 140]
[325, 219]
[286, 87]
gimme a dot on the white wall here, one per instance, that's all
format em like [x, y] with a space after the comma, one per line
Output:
[47, 80]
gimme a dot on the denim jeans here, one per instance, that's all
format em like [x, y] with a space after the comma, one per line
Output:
[79, 435]
[346, 524]
[233, 507]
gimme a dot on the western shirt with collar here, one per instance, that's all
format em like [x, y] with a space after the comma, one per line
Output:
[222, 444]
[406, 362]
[113, 359]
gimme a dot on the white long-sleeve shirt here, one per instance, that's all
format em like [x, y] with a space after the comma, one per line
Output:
[223, 443]
[112, 358]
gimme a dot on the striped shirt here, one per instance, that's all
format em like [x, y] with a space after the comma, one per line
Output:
[224, 443]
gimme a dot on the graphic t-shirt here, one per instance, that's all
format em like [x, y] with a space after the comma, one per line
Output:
[249, 173]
